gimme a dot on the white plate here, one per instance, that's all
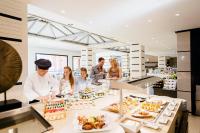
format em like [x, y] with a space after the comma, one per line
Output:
[131, 126]
[168, 113]
[109, 125]
[163, 120]
[151, 125]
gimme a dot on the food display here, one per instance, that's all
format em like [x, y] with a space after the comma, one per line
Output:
[79, 104]
[87, 93]
[91, 122]
[99, 93]
[128, 104]
[87, 90]
[129, 101]
[55, 110]
[115, 107]
[142, 114]
[151, 106]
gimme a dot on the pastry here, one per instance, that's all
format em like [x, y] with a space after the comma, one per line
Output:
[87, 126]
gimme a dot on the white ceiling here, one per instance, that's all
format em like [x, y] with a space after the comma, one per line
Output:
[148, 22]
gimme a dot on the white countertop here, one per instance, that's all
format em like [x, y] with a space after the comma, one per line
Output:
[66, 125]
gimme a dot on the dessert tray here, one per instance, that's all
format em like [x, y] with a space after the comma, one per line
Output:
[54, 110]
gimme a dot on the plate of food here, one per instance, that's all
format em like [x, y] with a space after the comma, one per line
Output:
[128, 105]
[142, 114]
[151, 106]
[87, 93]
[92, 123]
[115, 108]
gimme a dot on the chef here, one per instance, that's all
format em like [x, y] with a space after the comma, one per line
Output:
[40, 86]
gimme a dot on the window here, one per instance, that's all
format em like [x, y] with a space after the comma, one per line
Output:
[58, 62]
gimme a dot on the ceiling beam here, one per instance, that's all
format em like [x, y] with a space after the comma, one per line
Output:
[68, 29]
[98, 39]
[71, 35]
[33, 23]
[58, 29]
[94, 39]
[83, 38]
[43, 27]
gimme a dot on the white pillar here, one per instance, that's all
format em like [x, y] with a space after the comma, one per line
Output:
[162, 63]
[125, 64]
[86, 58]
[137, 61]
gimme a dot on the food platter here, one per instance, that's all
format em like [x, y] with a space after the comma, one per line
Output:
[139, 109]
[142, 114]
[92, 123]
[54, 110]
[87, 93]
[129, 104]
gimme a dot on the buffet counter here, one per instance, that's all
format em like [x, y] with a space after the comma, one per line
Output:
[99, 105]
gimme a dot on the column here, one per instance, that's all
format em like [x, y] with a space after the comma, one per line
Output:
[125, 65]
[137, 61]
[162, 63]
[87, 58]
[183, 68]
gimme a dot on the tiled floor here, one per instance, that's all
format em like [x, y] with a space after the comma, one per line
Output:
[194, 124]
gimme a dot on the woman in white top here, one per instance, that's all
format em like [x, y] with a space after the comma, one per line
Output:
[67, 82]
[82, 82]
[40, 85]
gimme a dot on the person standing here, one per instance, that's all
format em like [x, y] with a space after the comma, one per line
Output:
[67, 82]
[98, 72]
[41, 85]
[114, 72]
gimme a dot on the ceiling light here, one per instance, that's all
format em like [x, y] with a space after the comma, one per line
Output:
[152, 38]
[63, 11]
[177, 14]
[149, 20]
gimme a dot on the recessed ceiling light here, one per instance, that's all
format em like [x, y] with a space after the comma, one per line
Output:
[177, 14]
[63, 11]
[149, 20]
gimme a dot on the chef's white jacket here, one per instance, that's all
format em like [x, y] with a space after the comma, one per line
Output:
[36, 86]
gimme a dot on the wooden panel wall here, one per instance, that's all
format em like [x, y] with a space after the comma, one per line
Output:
[13, 30]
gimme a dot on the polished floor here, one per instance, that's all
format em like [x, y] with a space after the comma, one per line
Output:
[193, 124]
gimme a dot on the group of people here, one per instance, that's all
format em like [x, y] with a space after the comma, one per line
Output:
[41, 85]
